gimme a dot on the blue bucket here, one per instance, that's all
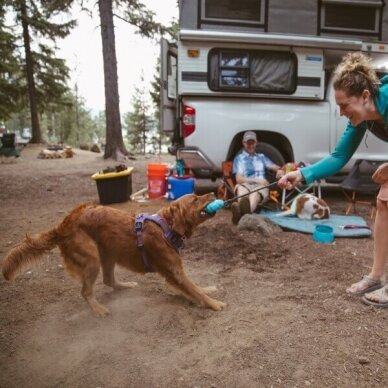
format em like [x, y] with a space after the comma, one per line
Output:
[179, 186]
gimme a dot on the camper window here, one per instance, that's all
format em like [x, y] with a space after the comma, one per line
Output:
[252, 71]
[343, 16]
[233, 12]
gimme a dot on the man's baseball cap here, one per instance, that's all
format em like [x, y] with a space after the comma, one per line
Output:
[249, 135]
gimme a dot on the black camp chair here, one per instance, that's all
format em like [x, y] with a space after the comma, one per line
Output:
[8, 146]
[359, 187]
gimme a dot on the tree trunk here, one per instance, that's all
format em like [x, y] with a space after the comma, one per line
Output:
[36, 133]
[144, 131]
[114, 137]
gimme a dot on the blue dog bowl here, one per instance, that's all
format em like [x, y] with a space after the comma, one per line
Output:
[323, 234]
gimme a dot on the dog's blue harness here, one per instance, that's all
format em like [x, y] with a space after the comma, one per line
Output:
[176, 240]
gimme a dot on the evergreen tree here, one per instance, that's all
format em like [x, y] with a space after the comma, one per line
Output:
[18, 120]
[139, 122]
[68, 122]
[45, 74]
[10, 69]
[159, 137]
[114, 136]
[100, 121]
[135, 13]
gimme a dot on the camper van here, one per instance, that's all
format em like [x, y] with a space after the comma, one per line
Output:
[264, 66]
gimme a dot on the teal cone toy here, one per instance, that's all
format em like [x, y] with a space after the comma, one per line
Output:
[214, 206]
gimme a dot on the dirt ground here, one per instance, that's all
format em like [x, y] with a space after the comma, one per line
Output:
[288, 321]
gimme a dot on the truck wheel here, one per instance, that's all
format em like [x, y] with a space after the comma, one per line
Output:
[272, 153]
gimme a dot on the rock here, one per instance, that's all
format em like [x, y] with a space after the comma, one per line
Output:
[257, 223]
[363, 360]
[84, 147]
[95, 148]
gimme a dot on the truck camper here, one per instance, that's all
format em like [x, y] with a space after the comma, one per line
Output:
[265, 66]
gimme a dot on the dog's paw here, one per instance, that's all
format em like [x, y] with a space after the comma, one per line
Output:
[124, 285]
[217, 305]
[100, 311]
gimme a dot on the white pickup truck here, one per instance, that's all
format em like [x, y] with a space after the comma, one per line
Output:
[217, 85]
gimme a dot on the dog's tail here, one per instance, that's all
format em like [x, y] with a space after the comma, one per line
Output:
[27, 252]
[33, 247]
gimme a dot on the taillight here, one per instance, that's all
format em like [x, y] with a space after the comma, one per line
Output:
[188, 120]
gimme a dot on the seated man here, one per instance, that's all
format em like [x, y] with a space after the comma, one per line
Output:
[249, 168]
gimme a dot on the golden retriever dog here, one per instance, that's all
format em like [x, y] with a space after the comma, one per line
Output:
[94, 236]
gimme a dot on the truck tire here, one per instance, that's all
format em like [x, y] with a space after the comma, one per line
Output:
[272, 153]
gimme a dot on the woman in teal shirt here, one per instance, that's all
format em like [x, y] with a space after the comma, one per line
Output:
[363, 99]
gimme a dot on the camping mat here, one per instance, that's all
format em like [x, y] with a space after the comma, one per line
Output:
[360, 227]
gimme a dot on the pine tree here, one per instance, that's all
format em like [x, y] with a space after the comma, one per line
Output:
[68, 122]
[135, 13]
[10, 69]
[139, 122]
[159, 137]
[114, 137]
[46, 75]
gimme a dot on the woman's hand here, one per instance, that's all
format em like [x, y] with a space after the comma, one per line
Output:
[380, 176]
[290, 180]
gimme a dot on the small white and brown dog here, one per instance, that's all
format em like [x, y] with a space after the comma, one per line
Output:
[307, 207]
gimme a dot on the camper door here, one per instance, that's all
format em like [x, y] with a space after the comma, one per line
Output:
[168, 78]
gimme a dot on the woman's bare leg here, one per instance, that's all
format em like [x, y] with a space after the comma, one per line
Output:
[380, 255]
[380, 246]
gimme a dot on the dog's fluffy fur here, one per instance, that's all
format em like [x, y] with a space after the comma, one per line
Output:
[307, 207]
[93, 236]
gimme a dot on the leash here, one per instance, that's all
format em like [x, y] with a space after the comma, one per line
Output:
[250, 192]
[218, 204]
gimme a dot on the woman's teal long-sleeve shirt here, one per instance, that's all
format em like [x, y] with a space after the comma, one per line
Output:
[350, 140]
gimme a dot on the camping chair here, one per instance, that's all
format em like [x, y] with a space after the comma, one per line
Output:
[226, 189]
[359, 187]
[8, 146]
[289, 195]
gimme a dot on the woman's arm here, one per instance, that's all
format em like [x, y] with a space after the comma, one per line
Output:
[334, 162]
[329, 165]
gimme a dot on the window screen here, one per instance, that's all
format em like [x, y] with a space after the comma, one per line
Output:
[355, 17]
[233, 11]
[234, 69]
[252, 71]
